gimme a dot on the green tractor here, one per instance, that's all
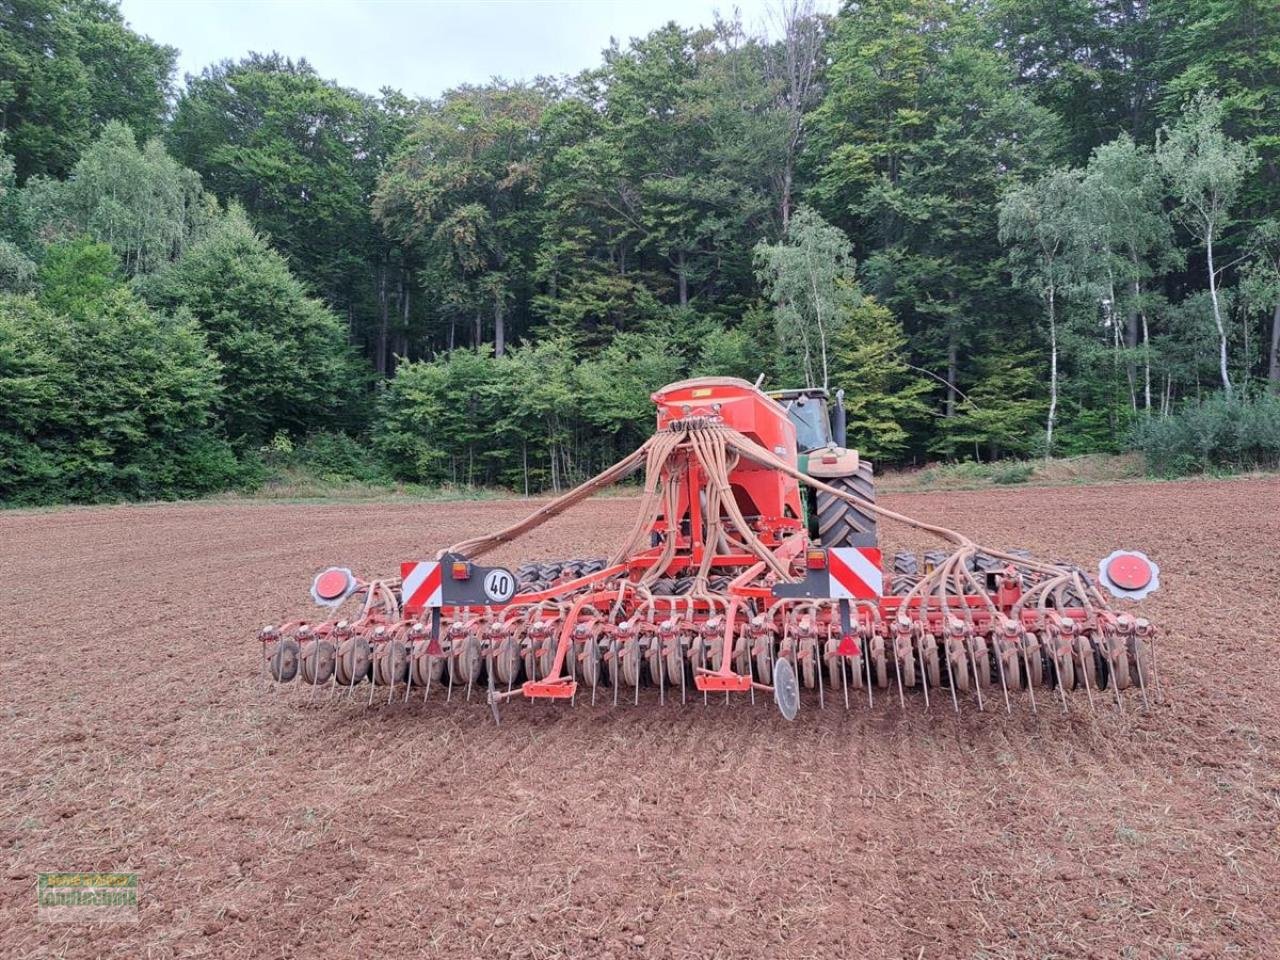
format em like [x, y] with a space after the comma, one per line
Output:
[820, 442]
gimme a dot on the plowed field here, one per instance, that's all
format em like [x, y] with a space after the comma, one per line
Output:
[136, 735]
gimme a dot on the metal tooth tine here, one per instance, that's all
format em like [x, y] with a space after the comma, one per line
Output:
[662, 671]
[973, 667]
[773, 659]
[509, 647]
[997, 648]
[617, 667]
[470, 677]
[1084, 673]
[635, 646]
[844, 680]
[684, 690]
[866, 661]
[795, 666]
[451, 659]
[1026, 665]
[1137, 662]
[493, 703]
[572, 654]
[1057, 677]
[595, 680]
[897, 669]
[1111, 675]
[1155, 671]
[817, 673]
[702, 663]
[951, 674]
[427, 686]
[924, 676]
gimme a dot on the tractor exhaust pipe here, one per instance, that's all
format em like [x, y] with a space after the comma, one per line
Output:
[839, 425]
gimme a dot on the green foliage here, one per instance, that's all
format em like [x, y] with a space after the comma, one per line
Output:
[1000, 414]
[76, 275]
[327, 456]
[461, 189]
[106, 401]
[616, 387]
[921, 128]
[810, 278]
[1012, 472]
[17, 269]
[1219, 431]
[139, 201]
[884, 399]
[66, 69]
[301, 155]
[1230, 47]
[286, 364]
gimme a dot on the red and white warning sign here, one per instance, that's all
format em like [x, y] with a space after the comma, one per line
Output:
[855, 573]
[421, 585]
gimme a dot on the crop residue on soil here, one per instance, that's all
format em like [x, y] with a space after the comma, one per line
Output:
[138, 736]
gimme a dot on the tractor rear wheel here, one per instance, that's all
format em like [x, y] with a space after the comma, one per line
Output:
[840, 522]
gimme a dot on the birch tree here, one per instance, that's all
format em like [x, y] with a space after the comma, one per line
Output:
[1204, 169]
[810, 278]
[1045, 225]
[1124, 194]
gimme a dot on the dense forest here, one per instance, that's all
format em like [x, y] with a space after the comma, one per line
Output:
[1006, 228]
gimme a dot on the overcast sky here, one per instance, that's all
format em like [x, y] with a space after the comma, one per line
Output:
[422, 47]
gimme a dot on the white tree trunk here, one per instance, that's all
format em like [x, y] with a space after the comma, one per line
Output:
[1053, 376]
[1146, 362]
[1273, 364]
[1217, 315]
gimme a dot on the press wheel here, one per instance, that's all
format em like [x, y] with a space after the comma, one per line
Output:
[764, 661]
[1121, 674]
[674, 660]
[464, 664]
[283, 660]
[809, 663]
[1139, 662]
[1034, 661]
[959, 667]
[589, 661]
[982, 665]
[932, 664]
[879, 665]
[317, 661]
[506, 661]
[1066, 670]
[390, 663]
[1086, 666]
[630, 656]
[354, 658]
[424, 668]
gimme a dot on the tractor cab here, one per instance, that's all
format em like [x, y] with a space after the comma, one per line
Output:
[818, 425]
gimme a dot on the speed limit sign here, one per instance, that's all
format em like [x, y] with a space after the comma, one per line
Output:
[499, 585]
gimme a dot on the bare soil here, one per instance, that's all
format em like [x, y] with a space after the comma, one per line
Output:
[136, 734]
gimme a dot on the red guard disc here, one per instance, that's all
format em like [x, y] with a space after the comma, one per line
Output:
[1129, 571]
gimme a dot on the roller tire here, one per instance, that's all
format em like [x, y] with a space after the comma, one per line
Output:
[841, 523]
